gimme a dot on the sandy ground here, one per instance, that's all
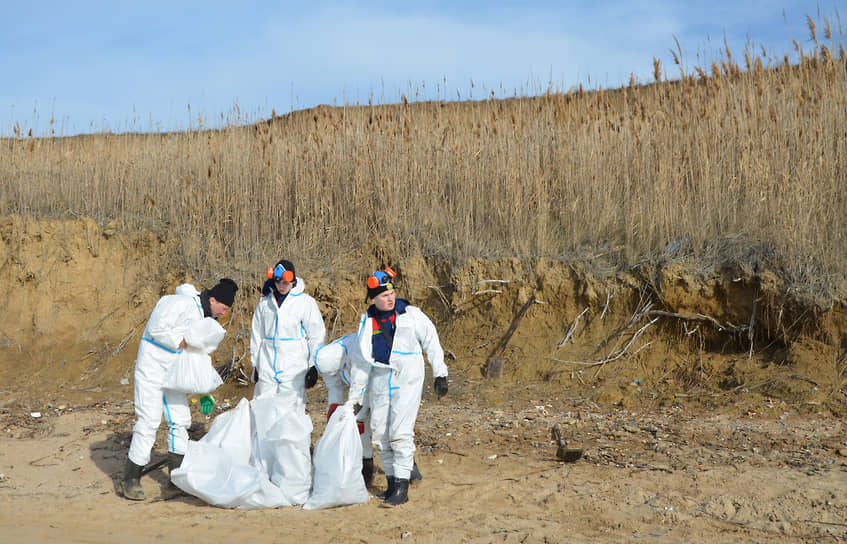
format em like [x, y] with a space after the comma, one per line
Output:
[650, 473]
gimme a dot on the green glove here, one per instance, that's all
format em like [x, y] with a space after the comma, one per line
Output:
[207, 404]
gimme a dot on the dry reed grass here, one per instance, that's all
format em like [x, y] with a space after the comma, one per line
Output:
[723, 163]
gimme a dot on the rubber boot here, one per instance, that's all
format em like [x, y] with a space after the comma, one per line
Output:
[388, 492]
[174, 461]
[368, 470]
[416, 475]
[131, 484]
[400, 494]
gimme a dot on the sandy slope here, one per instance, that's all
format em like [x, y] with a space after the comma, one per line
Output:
[490, 475]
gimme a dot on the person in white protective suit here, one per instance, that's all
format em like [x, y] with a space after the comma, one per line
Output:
[334, 361]
[393, 336]
[287, 331]
[161, 343]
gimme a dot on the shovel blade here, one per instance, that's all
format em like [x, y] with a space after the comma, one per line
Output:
[494, 367]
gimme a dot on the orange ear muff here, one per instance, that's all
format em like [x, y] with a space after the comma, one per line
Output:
[390, 272]
[270, 272]
[288, 276]
[373, 282]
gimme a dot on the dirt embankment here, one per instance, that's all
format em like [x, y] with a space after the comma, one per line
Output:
[704, 404]
[78, 297]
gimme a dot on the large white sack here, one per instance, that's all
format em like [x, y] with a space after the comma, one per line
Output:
[231, 431]
[216, 468]
[192, 371]
[219, 469]
[281, 440]
[204, 335]
[210, 473]
[338, 464]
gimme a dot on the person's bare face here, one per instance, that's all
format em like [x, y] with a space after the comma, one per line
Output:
[384, 301]
[283, 286]
[218, 308]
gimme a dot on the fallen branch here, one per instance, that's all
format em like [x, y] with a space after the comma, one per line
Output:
[755, 386]
[605, 306]
[700, 317]
[441, 296]
[572, 328]
[480, 346]
[618, 355]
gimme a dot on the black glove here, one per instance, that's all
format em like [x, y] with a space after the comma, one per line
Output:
[311, 377]
[441, 386]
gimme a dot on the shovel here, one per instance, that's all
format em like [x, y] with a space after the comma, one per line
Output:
[564, 453]
[495, 363]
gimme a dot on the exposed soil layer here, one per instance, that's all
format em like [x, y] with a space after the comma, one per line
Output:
[709, 405]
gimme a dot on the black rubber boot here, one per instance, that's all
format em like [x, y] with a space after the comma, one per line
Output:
[416, 475]
[368, 470]
[388, 492]
[131, 484]
[400, 494]
[174, 461]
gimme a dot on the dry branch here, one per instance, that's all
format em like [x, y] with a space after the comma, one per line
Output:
[441, 296]
[572, 328]
[700, 317]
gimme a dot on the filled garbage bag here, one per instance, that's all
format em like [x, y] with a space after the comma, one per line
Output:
[228, 466]
[337, 461]
[192, 372]
[281, 444]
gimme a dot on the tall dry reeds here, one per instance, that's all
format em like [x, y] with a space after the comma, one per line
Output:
[722, 163]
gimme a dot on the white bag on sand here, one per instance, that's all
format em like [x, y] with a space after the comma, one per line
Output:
[216, 468]
[337, 477]
[192, 372]
[219, 468]
[281, 445]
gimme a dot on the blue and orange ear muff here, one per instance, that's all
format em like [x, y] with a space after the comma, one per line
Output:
[280, 274]
[381, 278]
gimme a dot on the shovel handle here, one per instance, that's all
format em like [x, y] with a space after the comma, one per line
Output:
[515, 324]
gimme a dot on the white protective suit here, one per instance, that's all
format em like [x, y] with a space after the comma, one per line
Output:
[157, 352]
[395, 390]
[334, 361]
[283, 341]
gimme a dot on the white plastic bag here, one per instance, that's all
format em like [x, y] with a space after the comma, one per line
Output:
[220, 469]
[216, 468]
[282, 436]
[204, 335]
[337, 461]
[192, 372]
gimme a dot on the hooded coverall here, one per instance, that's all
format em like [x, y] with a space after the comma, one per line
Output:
[283, 340]
[333, 361]
[157, 352]
[395, 389]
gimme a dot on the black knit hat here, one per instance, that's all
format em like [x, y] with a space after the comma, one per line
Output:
[224, 291]
[288, 265]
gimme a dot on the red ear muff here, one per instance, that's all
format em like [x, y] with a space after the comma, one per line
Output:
[288, 276]
[373, 282]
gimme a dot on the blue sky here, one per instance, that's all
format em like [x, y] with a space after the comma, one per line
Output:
[157, 66]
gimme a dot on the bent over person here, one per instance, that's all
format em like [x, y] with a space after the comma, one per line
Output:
[161, 344]
[393, 336]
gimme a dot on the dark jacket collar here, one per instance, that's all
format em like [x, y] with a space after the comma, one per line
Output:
[204, 302]
[399, 307]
